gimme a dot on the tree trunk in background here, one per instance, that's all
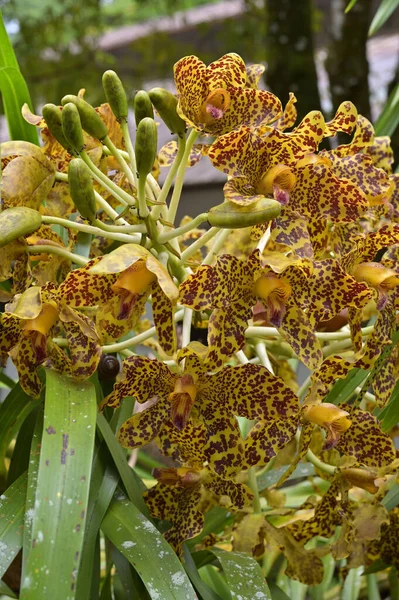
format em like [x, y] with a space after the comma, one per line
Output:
[290, 52]
[347, 64]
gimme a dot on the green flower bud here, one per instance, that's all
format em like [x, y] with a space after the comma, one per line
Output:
[16, 222]
[142, 106]
[166, 105]
[91, 121]
[52, 116]
[116, 95]
[234, 216]
[81, 189]
[146, 146]
[72, 127]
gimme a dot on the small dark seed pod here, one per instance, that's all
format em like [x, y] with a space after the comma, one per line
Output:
[108, 367]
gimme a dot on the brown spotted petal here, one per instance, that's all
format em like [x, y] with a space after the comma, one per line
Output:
[297, 329]
[144, 426]
[142, 378]
[327, 515]
[240, 153]
[303, 565]
[179, 506]
[344, 120]
[84, 288]
[217, 286]
[365, 440]
[360, 170]
[163, 311]
[320, 193]
[266, 438]
[361, 141]
[84, 349]
[381, 153]
[253, 392]
[240, 191]
[226, 331]
[332, 290]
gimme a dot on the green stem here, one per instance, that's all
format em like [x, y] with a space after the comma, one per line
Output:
[186, 333]
[326, 468]
[321, 335]
[174, 203]
[138, 339]
[47, 249]
[138, 228]
[170, 235]
[121, 237]
[156, 211]
[100, 200]
[143, 208]
[130, 150]
[261, 351]
[124, 166]
[217, 244]
[111, 187]
[304, 388]
[195, 246]
[253, 484]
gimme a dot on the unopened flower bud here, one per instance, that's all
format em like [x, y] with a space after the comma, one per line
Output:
[166, 104]
[361, 478]
[142, 107]
[234, 216]
[146, 146]
[91, 121]
[72, 127]
[16, 222]
[52, 116]
[81, 189]
[116, 95]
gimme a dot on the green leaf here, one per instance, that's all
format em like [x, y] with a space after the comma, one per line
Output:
[352, 584]
[392, 498]
[21, 453]
[12, 505]
[6, 591]
[382, 15]
[32, 484]
[277, 593]
[343, 389]
[243, 575]
[206, 593]
[149, 553]
[13, 412]
[389, 415]
[350, 5]
[271, 477]
[375, 567]
[388, 120]
[63, 481]
[133, 484]
[14, 91]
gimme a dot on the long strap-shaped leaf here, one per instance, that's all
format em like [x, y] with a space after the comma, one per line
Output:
[12, 509]
[14, 91]
[62, 491]
[145, 548]
[384, 11]
[243, 575]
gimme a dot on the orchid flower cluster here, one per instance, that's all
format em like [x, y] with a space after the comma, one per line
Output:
[297, 272]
